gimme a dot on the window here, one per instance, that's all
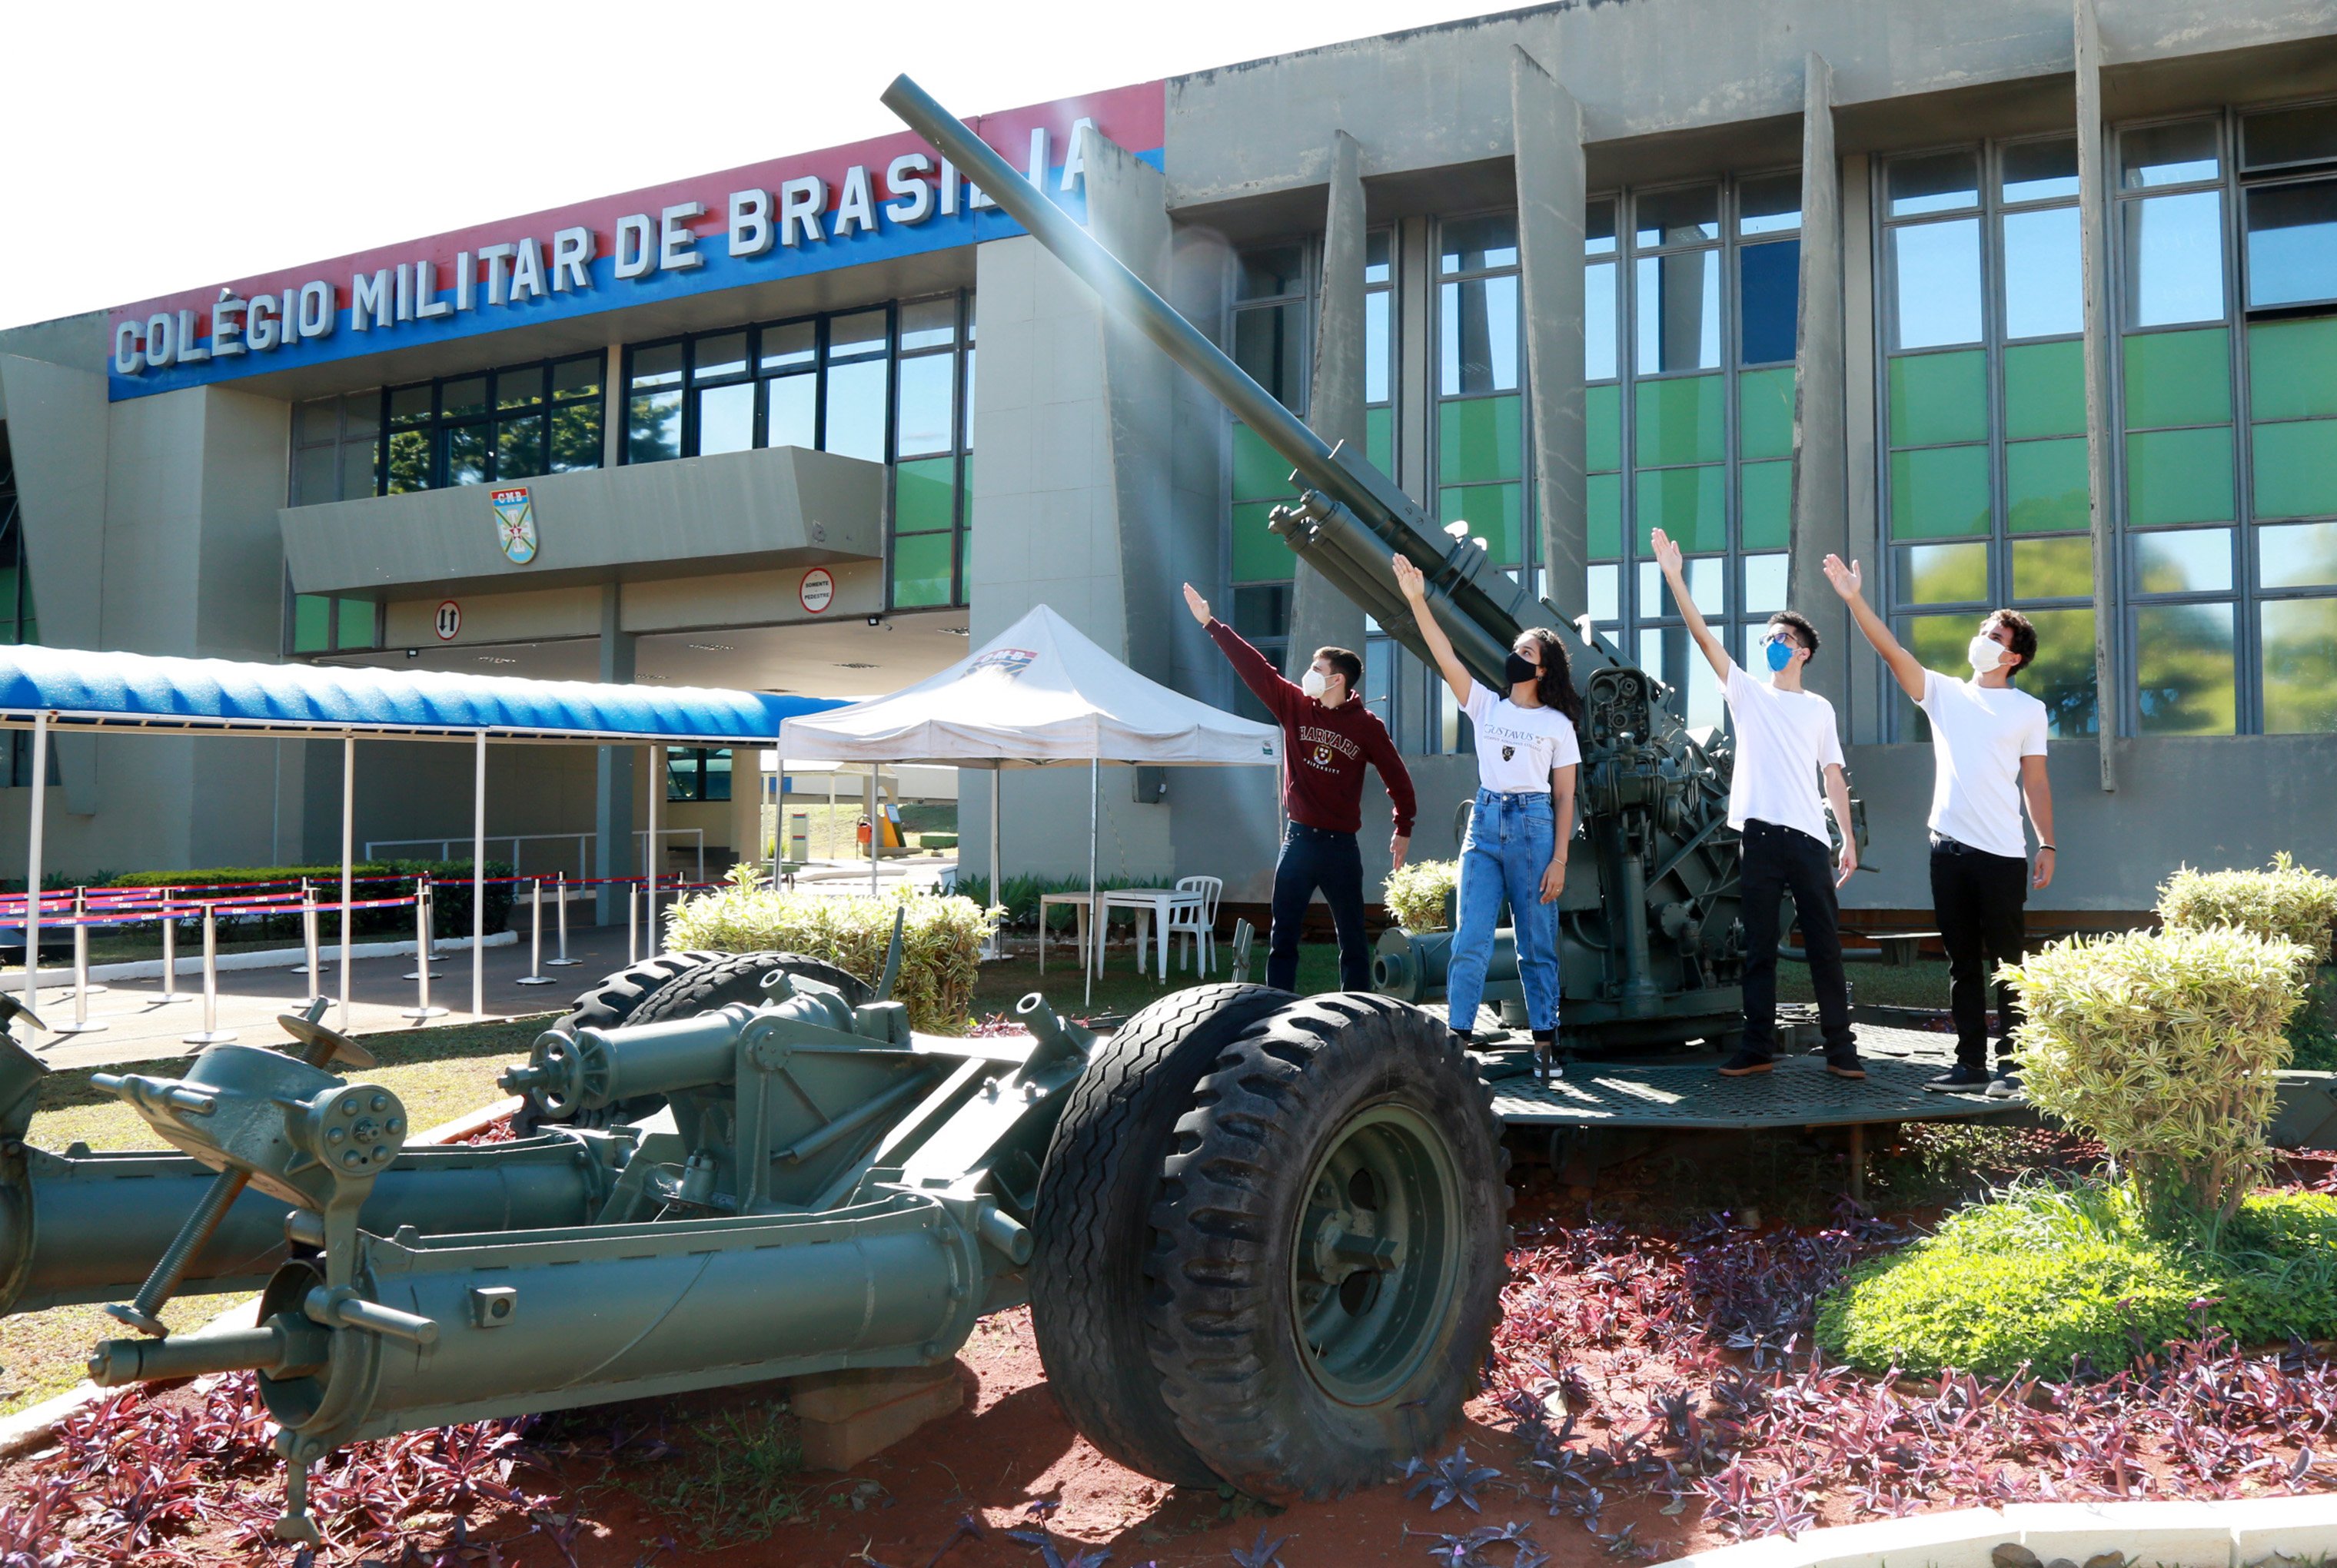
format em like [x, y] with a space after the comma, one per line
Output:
[933, 472]
[325, 623]
[1272, 314]
[493, 427]
[337, 448]
[697, 774]
[1983, 407]
[1479, 398]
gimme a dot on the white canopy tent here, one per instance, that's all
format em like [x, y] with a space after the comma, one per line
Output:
[1039, 695]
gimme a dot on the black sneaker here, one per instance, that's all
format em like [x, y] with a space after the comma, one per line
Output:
[1959, 1079]
[2007, 1086]
[1746, 1063]
[1846, 1065]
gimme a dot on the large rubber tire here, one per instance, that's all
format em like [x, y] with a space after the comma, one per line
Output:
[622, 994]
[1332, 1244]
[1093, 1222]
[738, 977]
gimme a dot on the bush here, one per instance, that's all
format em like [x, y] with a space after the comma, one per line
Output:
[941, 940]
[2166, 1046]
[937, 841]
[1418, 893]
[2074, 1279]
[2285, 903]
[1023, 894]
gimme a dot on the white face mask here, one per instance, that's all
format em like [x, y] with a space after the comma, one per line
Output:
[1986, 653]
[1313, 683]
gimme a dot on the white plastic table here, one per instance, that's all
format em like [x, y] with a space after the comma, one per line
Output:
[1078, 903]
[1153, 903]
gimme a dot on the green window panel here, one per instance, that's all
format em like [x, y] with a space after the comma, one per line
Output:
[1679, 421]
[1480, 439]
[1259, 554]
[2179, 378]
[1944, 573]
[2062, 677]
[1765, 503]
[1379, 438]
[2293, 368]
[921, 569]
[1938, 493]
[2182, 669]
[1494, 514]
[356, 620]
[2295, 468]
[1259, 471]
[2300, 666]
[921, 494]
[1764, 412]
[1602, 412]
[2178, 476]
[2045, 487]
[1937, 398]
[1686, 503]
[312, 623]
[2052, 569]
[966, 491]
[2044, 390]
[1604, 491]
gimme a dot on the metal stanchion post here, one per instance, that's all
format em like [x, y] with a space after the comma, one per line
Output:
[80, 910]
[633, 924]
[312, 968]
[213, 1034]
[563, 960]
[536, 975]
[81, 1024]
[422, 974]
[171, 991]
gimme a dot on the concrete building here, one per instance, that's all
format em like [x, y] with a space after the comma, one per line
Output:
[2016, 302]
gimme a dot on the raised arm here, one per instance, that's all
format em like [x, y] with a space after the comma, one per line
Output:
[1668, 558]
[1415, 589]
[1905, 668]
[1257, 671]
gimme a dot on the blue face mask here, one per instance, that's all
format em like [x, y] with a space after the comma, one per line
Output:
[1780, 654]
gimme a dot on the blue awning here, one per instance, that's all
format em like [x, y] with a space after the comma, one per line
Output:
[83, 690]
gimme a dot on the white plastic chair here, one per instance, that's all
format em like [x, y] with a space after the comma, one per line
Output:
[1196, 922]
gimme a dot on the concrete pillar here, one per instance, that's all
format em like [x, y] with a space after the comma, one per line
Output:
[2093, 208]
[747, 803]
[612, 792]
[1820, 498]
[1551, 180]
[1320, 615]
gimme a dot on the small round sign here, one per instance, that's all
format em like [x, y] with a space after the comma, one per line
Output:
[818, 589]
[450, 621]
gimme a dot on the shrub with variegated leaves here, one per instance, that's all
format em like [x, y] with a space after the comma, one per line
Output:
[940, 937]
[2285, 903]
[1416, 894]
[2164, 1046]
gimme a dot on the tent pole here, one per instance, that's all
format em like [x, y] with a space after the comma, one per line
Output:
[997, 894]
[873, 835]
[479, 882]
[33, 862]
[778, 805]
[348, 880]
[1095, 914]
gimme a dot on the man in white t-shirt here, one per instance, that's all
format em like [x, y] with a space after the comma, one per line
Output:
[1785, 740]
[1988, 747]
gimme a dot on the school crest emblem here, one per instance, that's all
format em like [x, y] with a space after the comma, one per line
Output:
[1508, 753]
[514, 524]
[1321, 757]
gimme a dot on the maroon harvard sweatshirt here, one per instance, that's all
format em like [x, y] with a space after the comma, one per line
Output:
[1326, 747]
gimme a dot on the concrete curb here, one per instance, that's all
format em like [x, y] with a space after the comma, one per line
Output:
[35, 1424]
[2171, 1535]
[267, 959]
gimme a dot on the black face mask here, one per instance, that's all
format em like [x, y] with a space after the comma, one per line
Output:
[1521, 668]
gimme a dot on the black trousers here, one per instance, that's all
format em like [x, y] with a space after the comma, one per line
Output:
[1315, 858]
[1780, 860]
[1978, 899]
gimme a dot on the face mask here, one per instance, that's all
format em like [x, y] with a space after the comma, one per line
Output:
[1985, 653]
[1313, 683]
[1779, 653]
[1518, 668]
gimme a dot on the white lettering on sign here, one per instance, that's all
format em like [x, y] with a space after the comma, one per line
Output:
[818, 589]
[450, 619]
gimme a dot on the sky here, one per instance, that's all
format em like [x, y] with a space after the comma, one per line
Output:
[147, 149]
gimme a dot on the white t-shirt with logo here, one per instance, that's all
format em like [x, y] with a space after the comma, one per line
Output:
[1979, 736]
[1783, 740]
[1517, 747]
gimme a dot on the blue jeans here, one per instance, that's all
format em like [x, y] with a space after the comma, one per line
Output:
[1511, 838]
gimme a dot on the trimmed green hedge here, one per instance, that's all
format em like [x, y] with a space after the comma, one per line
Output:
[450, 900]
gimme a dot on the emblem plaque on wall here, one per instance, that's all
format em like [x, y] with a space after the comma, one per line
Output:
[515, 523]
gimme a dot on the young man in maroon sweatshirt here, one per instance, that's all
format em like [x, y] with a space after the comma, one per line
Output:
[1328, 735]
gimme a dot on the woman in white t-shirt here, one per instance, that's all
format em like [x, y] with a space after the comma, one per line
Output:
[1520, 825]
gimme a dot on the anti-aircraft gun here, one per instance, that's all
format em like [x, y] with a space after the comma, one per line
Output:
[1650, 947]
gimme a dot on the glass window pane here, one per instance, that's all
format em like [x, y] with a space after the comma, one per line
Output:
[2175, 258]
[1599, 321]
[2169, 154]
[1480, 438]
[1679, 421]
[2297, 555]
[1944, 573]
[1605, 593]
[519, 447]
[2292, 243]
[792, 414]
[1379, 345]
[409, 461]
[357, 476]
[653, 426]
[1598, 227]
[316, 422]
[2293, 368]
[1939, 397]
[2044, 294]
[1764, 414]
[312, 623]
[353, 623]
[1765, 583]
[2300, 667]
[2277, 136]
[929, 323]
[726, 418]
[1939, 182]
[2179, 378]
[1768, 286]
[787, 346]
[658, 367]
[1269, 342]
[410, 405]
[2062, 678]
[578, 377]
[1936, 283]
[2183, 560]
[2040, 170]
[1677, 217]
[860, 333]
[1379, 438]
[1258, 470]
[722, 355]
[1494, 514]
[2178, 476]
[1602, 495]
[519, 388]
[1708, 584]
[1769, 204]
[468, 395]
[1668, 653]
[2184, 670]
[1376, 256]
[2052, 569]
[1764, 504]
[316, 476]
[1678, 304]
[1478, 335]
[575, 437]
[1259, 555]
[1471, 244]
[2045, 389]
[2045, 487]
[1686, 503]
[1270, 273]
[467, 453]
[856, 410]
[1938, 493]
[2296, 470]
[921, 569]
[923, 495]
[927, 402]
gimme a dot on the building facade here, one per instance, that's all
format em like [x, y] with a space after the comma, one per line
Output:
[2018, 303]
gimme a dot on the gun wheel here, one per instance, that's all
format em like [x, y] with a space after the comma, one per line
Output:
[620, 995]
